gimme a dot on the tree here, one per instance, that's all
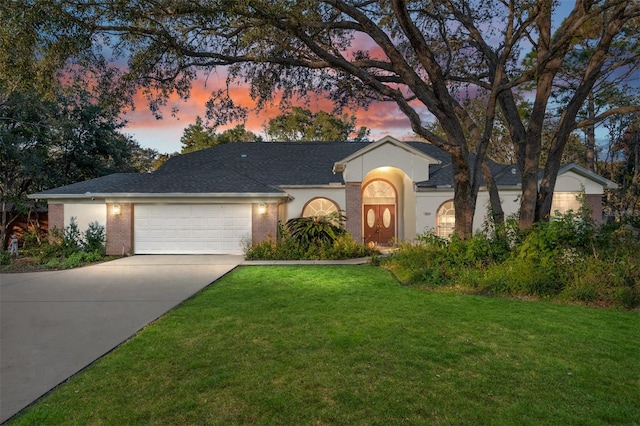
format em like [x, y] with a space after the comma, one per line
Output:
[45, 143]
[303, 125]
[22, 156]
[420, 56]
[622, 165]
[198, 136]
[237, 134]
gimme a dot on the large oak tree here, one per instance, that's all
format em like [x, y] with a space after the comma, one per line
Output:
[423, 57]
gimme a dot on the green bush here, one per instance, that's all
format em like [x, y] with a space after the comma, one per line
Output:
[314, 245]
[74, 260]
[569, 259]
[520, 277]
[70, 248]
[71, 238]
[316, 230]
[94, 238]
[5, 258]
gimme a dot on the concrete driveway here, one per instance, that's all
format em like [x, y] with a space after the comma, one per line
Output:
[53, 324]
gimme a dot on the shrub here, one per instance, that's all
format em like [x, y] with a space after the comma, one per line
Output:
[74, 260]
[69, 248]
[94, 238]
[521, 277]
[71, 238]
[316, 230]
[5, 258]
[308, 241]
[567, 259]
[424, 262]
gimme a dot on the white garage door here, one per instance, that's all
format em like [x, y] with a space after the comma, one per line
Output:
[191, 229]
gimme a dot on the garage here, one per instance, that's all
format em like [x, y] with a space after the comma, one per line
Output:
[191, 228]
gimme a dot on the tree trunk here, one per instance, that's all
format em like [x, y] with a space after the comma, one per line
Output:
[497, 214]
[3, 226]
[590, 135]
[464, 200]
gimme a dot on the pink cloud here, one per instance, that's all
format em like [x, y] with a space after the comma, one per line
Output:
[164, 134]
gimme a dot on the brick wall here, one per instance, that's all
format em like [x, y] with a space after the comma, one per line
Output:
[353, 209]
[120, 230]
[56, 218]
[264, 226]
[594, 202]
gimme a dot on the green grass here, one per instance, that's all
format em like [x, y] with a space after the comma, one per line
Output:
[349, 345]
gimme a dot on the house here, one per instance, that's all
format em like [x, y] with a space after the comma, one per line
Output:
[220, 199]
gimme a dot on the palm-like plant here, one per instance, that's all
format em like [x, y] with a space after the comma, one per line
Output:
[317, 229]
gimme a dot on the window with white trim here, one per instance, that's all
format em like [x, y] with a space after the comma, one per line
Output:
[445, 219]
[319, 207]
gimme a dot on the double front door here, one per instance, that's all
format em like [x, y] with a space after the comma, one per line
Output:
[379, 223]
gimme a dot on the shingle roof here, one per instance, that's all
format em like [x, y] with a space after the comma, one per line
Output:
[256, 168]
[234, 168]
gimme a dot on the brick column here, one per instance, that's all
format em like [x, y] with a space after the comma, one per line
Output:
[594, 202]
[120, 230]
[353, 209]
[56, 219]
[264, 226]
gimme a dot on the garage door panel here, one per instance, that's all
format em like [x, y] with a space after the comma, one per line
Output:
[191, 229]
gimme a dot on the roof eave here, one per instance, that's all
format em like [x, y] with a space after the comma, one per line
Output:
[90, 195]
[589, 175]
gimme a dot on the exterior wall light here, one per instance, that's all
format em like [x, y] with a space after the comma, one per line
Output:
[116, 209]
[262, 208]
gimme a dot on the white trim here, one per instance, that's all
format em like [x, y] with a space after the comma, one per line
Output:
[115, 195]
[339, 166]
[588, 174]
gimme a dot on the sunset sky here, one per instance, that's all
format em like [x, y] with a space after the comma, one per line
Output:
[164, 134]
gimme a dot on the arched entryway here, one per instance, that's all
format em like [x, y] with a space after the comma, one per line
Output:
[380, 210]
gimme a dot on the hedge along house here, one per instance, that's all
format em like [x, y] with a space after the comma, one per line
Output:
[220, 199]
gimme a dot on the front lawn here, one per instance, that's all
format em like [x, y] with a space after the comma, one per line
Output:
[349, 345]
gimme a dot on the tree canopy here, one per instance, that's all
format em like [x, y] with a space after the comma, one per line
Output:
[301, 124]
[198, 136]
[420, 56]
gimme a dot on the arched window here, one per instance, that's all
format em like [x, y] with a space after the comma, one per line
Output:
[319, 207]
[379, 192]
[445, 219]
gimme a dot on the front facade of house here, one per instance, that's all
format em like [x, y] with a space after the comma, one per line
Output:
[220, 200]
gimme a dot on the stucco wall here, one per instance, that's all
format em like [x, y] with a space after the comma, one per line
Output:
[85, 213]
[427, 204]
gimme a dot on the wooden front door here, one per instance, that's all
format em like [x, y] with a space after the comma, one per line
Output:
[379, 223]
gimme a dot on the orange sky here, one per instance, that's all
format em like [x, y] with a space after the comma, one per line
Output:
[164, 135]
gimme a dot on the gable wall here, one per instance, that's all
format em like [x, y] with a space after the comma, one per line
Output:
[573, 182]
[387, 155]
